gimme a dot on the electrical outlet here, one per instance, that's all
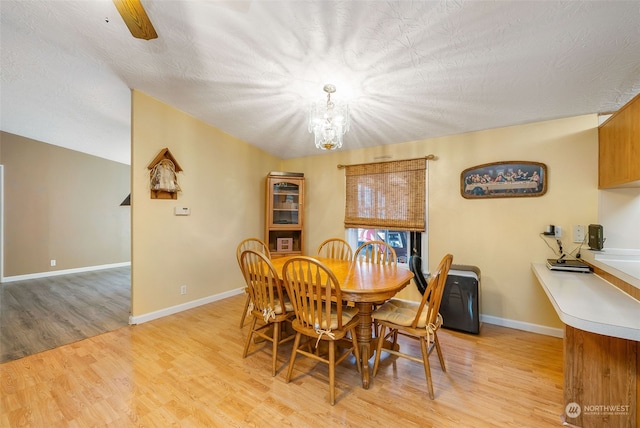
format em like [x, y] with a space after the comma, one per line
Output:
[183, 289]
[557, 231]
[53, 262]
[578, 234]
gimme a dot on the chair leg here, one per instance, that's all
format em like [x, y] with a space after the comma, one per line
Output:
[395, 339]
[440, 357]
[427, 368]
[376, 361]
[332, 372]
[276, 339]
[246, 309]
[246, 344]
[294, 351]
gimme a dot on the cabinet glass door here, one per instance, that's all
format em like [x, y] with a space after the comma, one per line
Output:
[285, 204]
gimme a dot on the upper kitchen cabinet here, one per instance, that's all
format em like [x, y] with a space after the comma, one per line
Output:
[619, 147]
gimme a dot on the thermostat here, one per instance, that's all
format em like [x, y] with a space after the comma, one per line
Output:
[183, 211]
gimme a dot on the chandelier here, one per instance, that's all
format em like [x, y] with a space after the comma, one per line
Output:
[329, 121]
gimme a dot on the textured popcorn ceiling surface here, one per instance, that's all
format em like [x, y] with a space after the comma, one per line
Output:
[409, 69]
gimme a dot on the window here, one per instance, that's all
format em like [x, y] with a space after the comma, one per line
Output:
[387, 201]
[398, 239]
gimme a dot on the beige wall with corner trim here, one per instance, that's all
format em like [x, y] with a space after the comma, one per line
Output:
[500, 236]
[222, 182]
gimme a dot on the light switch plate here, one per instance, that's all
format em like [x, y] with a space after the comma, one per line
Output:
[579, 234]
[557, 231]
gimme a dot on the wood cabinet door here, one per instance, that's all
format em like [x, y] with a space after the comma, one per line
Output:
[619, 148]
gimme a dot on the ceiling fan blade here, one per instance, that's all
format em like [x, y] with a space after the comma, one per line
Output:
[136, 19]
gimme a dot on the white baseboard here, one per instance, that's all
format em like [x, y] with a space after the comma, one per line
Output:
[62, 272]
[139, 319]
[489, 319]
[525, 326]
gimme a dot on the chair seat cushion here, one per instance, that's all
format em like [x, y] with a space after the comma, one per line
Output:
[400, 312]
[269, 314]
[288, 307]
[348, 313]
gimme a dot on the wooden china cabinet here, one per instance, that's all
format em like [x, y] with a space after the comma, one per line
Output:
[284, 229]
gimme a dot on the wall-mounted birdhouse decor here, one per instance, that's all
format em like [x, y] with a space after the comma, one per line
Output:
[163, 177]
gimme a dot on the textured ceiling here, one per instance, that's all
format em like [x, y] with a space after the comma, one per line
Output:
[410, 70]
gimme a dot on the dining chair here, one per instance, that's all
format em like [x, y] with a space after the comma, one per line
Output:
[378, 252]
[312, 287]
[269, 303]
[254, 244]
[335, 248]
[417, 320]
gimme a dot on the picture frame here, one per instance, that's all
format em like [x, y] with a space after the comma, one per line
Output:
[506, 179]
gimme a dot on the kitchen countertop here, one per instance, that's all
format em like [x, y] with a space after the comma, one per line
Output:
[621, 263]
[587, 302]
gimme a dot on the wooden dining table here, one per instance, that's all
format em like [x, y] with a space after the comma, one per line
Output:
[363, 284]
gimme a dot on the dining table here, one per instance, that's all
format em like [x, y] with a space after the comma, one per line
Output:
[364, 284]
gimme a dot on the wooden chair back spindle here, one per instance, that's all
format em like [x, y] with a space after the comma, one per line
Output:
[335, 248]
[378, 252]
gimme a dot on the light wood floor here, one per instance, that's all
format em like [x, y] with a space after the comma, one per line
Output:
[186, 370]
[43, 313]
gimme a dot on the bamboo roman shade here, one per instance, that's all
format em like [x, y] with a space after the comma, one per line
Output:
[386, 195]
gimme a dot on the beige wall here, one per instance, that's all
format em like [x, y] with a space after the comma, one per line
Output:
[64, 205]
[223, 183]
[500, 236]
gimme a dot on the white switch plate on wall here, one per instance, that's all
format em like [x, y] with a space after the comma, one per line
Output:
[578, 234]
[557, 231]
